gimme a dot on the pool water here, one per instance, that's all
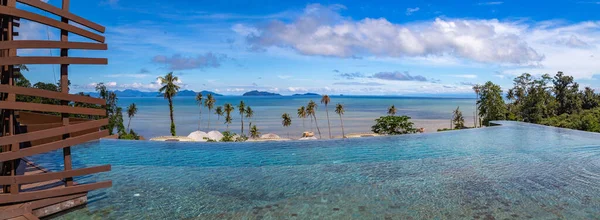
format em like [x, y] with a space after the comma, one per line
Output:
[513, 171]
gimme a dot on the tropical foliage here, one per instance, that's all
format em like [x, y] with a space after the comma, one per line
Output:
[311, 109]
[286, 121]
[169, 89]
[325, 100]
[393, 125]
[490, 104]
[457, 119]
[339, 109]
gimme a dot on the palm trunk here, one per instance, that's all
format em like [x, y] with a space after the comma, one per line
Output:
[128, 123]
[250, 127]
[476, 115]
[173, 133]
[328, 124]
[303, 125]
[317, 125]
[199, 119]
[342, 122]
[242, 116]
[208, 120]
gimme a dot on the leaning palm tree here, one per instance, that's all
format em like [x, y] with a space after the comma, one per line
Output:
[219, 112]
[339, 109]
[302, 115]
[169, 89]
[392, 110]
[286, 122]
[325, 100]
[131, 111]
[228, 109]
[210, 104]
[476, 89]
[199, 102]
[242, 109]
[249, 114]
[311, 110]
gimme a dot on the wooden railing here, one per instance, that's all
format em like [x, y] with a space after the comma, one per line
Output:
[63, 135]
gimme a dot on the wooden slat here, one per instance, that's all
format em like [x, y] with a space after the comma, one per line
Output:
[48, 193]
[14, 211]
[52, 146]
[42, 44]
[54, 200]
[30, 216]
[53, 132]
[61, 13]
[50, 22]
[52, 60]
[50, 94]
[51, 108]
[6, 180]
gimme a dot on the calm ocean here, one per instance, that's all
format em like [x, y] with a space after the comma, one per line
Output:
[153, 113]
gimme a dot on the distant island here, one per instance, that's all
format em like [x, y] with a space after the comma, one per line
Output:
[260, 93]
[307, 94]
[129, 93]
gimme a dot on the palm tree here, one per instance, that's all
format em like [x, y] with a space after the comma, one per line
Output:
[210, 104]
[242, 109]
[325, 100]
[249, 114]
[131, 111]
[302, 114]
[228, 109]
[169, 89]
[310, 110]
[199, 102]
[339, 109]
[254, 133]
[219, 112]
[476, 89]
[392, 110]
[457, 119]
[287, 121]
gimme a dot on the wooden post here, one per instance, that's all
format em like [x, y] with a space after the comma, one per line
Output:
[14, 188]
[64, 88]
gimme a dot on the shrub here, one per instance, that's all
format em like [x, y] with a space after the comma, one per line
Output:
[393, 125]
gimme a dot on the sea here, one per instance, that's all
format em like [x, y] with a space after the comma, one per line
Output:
[152, 119]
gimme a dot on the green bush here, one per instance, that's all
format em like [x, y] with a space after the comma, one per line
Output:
[393, 125]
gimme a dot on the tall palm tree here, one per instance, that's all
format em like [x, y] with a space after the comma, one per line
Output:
[228, 109]
[242, 109]
[311, 110]
[210, 104]
[199, 102]
[477, 90]
[339, 109]
[325, 100]
[249, 114]
[302, 115]
[286, 122]
[169, 89]
[219, 112]
[254, 133]
[131, 111]
[392, 110]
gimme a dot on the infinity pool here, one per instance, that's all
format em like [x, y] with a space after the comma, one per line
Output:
[512, 171]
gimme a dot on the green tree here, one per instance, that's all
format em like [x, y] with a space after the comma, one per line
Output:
[339, 109]
[325, 100]
[286, 121]
[254, 133]
[219, 112]
[392, 110]
[567, 95]
[199, 99]
[533, 100]
[477, 90]
[249, 114]
[131, 111]
[228, 109]
[311, 109]
[590, 99]
[210, 104]
[458, 119]
[242, 110]
[393, 125]
[169, 89]
[490, 103]
[302, 114]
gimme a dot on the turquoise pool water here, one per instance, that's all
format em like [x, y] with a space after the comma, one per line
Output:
[514, 171]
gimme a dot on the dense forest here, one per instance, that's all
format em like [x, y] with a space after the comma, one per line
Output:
[554, 101]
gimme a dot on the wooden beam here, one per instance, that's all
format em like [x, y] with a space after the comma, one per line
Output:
[13, 211]
[54, 200]
[50, 22]
[62, 13]
[51, 108]
[53, 132]
[6, 180]
[52, 60]
[6, 156]
[49, 193]
[42, 44]
[51, 94]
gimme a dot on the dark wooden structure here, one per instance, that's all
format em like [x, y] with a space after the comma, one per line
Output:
[16, 200]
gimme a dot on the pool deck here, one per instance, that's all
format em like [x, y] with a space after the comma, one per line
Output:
[44, 207]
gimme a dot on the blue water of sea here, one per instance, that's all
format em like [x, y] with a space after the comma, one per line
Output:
[513, 171]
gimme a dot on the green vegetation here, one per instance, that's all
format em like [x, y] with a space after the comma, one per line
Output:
[228, 109]
[210, 104]
[393, 125]
[392, 110]
[249, 114]
[325, 100]
[131, 111]
[339, 109]
[457, 119]
[286, 121]
[219, 112]
[254, 133]
[242, 110]
[199, 98]
[302, 114]
[311, 111]
[169, 89]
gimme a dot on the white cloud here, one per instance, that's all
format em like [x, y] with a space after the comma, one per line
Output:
[410, 11]
[297, 89]
[284, 76]
[323, 31]
[466, 76]
[136, 75]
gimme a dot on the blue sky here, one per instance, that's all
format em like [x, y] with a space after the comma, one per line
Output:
[333, 47]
